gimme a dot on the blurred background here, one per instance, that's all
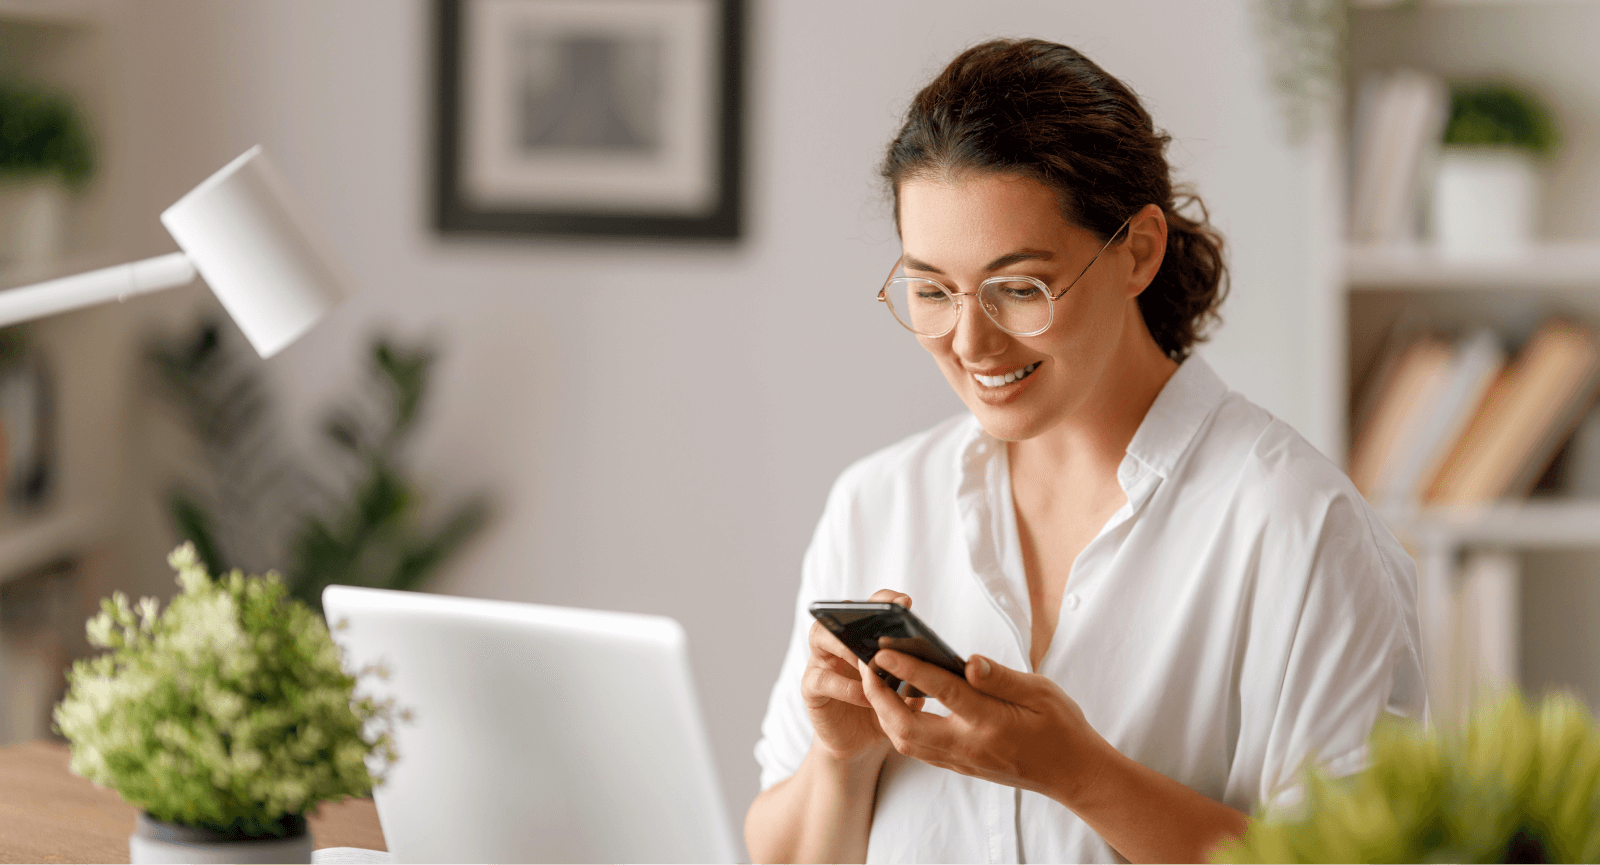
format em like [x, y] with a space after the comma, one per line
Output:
[649, 421]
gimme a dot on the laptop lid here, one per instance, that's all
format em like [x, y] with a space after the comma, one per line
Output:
[539, 734]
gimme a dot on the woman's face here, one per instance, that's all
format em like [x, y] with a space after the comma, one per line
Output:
[982, 225]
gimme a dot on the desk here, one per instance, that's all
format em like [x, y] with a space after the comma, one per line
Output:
[48, 814]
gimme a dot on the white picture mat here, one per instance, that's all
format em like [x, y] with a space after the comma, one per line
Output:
[678, 178]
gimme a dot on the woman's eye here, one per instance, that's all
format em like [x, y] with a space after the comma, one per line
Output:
[931, 295]
[1018, 291]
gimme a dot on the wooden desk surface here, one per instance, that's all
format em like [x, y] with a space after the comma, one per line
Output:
[48, 814]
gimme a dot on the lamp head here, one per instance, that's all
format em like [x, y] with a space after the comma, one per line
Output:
[245, 235]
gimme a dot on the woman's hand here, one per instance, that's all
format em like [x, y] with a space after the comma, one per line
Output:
[846, 726]
[1012, 728]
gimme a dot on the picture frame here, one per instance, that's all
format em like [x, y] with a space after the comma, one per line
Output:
[597, 118]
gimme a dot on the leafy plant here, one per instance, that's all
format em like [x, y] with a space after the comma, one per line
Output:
[41, 133]
[1516, 785]
[229, 710]
[375, 539]
[265, 506]
[1499, 115]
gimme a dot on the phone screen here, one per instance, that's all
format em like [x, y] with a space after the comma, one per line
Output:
[867, 626]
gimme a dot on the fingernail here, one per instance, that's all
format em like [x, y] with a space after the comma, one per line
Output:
[983, 666]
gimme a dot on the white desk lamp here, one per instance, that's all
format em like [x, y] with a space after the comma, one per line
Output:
[243, 233]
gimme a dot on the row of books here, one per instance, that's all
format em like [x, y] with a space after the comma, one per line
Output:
[1399, 121]
[1460, 421]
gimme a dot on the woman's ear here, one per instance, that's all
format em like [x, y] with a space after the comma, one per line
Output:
[1147, 241]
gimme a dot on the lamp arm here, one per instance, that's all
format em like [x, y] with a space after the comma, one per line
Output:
[96, 286]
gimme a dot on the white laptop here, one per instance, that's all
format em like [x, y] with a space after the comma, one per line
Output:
[539, 734]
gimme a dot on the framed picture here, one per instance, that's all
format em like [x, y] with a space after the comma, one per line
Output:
[616, 118]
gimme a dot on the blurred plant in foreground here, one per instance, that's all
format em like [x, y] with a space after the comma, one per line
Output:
[1515, 785]
[228, 711]
[266, 509]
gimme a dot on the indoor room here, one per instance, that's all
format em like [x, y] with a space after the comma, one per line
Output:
[560, 330]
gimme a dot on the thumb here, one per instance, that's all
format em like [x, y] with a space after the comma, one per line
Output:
[997, 680]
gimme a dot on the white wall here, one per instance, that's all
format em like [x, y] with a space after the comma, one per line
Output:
[661, 436]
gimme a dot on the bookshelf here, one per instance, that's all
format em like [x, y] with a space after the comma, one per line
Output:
[1369, 288]
[71, 46]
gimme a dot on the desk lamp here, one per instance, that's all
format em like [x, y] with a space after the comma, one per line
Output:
[242, 232]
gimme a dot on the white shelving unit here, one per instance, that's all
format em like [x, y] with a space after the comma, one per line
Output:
[1542, 44]
[65, 44]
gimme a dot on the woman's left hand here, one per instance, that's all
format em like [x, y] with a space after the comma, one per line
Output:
[1006, 726]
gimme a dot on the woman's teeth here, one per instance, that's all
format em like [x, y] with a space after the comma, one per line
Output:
[1003, 380]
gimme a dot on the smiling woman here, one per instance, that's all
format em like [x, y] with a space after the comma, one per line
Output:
[1168, 599]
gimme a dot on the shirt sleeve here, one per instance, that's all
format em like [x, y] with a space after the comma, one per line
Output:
[1345, 648]
[786, 730]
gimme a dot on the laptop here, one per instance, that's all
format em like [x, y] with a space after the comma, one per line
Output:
[538, 734]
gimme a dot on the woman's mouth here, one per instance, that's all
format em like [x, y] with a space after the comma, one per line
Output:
[992, 381]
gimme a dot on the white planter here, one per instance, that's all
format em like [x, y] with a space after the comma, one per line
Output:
[155, 842]
[1485, 201]
[33, 220]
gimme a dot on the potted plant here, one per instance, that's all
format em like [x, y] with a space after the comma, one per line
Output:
[224, 718]
[1516, 785]
[44, 151]
[1486, 191]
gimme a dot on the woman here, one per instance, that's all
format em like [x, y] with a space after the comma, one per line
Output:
[1169, 601]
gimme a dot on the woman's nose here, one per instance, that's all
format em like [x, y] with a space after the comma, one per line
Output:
[976, 335]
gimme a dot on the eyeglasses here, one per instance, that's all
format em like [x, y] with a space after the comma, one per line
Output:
[1018, 305]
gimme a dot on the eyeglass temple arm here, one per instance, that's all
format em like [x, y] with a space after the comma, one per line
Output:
[883, 293]
[1091, 261]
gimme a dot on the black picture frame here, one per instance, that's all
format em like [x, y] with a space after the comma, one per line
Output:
[456, 213]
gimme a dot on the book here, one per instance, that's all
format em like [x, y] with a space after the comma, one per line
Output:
[1528, 412]
[1475, 365]
[1404, 395]
[1399, 122]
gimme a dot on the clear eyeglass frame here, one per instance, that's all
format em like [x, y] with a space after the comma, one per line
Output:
[956, 296]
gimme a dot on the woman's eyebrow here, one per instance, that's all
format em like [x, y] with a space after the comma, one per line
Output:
[1006, 260]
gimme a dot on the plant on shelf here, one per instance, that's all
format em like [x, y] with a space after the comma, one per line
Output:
[1499, 115]
[226, 715]
[363, 529]
[1515, 785]
[42, 134]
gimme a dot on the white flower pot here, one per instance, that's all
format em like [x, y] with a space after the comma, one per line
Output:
[157, 842]
[33, 220]
[1485, 201]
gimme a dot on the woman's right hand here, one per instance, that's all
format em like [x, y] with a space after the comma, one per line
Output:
[846, 725]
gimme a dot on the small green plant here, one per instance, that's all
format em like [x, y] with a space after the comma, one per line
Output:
[1516, 785]
[41, 133]
[229, 710]
[1499, 115]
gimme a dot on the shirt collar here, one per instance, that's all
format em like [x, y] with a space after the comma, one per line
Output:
[1183, 405]
[1185, 401]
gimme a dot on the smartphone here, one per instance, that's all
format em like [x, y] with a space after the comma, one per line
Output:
[867, 626]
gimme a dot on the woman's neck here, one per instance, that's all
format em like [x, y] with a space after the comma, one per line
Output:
[1097, 433]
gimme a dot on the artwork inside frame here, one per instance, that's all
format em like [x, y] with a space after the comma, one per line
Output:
[599, 118]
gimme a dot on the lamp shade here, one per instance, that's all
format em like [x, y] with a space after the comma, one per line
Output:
[244, 234]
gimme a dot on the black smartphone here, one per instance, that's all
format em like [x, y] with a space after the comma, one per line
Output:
[867, 626]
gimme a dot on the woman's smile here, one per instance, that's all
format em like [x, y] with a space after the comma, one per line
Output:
[1001, 379]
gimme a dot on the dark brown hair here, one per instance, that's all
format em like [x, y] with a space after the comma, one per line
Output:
[1042, 110]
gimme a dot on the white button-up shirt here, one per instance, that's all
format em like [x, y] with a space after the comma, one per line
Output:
[1245, 611]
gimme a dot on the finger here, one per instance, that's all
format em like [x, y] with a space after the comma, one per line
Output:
[936, 682]
[891, 596]
[999, 681]
[913, 733]
[825, 645]
[820, 685]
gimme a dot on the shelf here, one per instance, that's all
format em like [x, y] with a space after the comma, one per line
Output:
[1407, 268]
[1535, 524]
[55, 13]
[28, 542]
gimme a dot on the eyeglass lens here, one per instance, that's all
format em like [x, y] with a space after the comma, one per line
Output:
[924, 306]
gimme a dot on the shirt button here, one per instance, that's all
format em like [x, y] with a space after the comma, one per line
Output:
[1072, 602]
